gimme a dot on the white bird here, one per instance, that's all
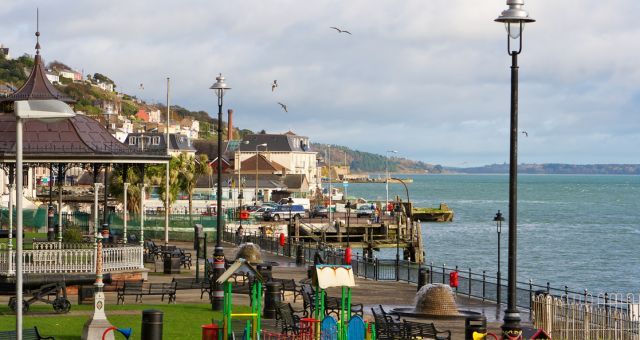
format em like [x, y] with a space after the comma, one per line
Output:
[141, 87]
[274, 85]
[284, 107]
[340, 31]
[525, 133]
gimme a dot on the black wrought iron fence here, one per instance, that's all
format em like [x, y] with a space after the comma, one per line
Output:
[478, 285]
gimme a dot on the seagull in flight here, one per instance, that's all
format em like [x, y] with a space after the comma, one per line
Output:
[274, 85]
[341, 31]
[284, 107]
[525, 133]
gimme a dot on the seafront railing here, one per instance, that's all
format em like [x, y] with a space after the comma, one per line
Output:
[473, 284]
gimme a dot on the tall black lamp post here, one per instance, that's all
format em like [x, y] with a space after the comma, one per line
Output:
[514, 18]
[290, 225]
[240, 197]
[217, 303]
[498, 219]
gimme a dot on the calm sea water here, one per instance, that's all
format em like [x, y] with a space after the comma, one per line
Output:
[576, 230]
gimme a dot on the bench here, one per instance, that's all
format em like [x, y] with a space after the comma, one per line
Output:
[289, 285]
[191, 283]
[138, 289]
[389, 328]
[27, 334]
[288, 319]
[332, 305]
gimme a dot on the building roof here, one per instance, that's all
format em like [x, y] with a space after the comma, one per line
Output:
[296, 181]
[37, 86]
[177, 142]
[263, 165]
[287, 142]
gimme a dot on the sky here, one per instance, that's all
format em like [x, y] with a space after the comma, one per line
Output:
[430, 79]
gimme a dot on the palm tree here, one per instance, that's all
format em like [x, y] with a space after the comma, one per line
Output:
[157, 177]
[190, 168]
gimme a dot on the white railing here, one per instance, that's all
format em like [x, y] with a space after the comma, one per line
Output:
[72, 260]
[120, 258]
[51, 245]
[566, 318]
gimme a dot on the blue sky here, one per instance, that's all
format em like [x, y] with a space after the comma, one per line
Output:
[427, 78]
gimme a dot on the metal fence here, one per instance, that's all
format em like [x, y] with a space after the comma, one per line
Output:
[480, 285]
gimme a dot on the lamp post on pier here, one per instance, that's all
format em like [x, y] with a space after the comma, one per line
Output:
[386, 178]
[498, 219]
[219, 87]
[348, 207]
[514, 18]
[264, 145]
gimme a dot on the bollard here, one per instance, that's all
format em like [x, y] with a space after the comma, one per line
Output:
[474, 324]
[423, 277]
[299, 255]
[51, 235]
[310, 270]
[271, 298]
[151, 325]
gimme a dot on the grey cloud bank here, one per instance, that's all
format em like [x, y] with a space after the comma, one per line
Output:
[427, 78]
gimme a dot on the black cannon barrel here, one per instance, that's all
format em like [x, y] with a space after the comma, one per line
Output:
[31, 281]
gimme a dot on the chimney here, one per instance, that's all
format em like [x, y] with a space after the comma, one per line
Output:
[230, 125]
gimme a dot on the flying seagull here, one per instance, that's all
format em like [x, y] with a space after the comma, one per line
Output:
[274, 85]
[340, 31]
[141, 87]
[284, 107]
[525, 133]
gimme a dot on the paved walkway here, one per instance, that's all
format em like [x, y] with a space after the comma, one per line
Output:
[370, 293]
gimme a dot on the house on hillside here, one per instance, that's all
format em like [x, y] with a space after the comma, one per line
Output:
[142, 115]
[5, 52]
[154, 116]
[53, 78]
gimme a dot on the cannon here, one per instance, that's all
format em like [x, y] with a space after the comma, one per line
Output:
[48, 288]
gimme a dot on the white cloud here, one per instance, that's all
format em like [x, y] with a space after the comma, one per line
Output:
[429, 78]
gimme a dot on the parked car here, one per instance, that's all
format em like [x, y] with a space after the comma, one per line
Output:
[319, 211]
[260, 211]
[282, 212]
[364, 211]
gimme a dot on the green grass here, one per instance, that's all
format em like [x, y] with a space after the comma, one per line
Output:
[181, 321]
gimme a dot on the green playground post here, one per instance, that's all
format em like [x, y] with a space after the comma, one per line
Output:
[258, 302]
[227, 310]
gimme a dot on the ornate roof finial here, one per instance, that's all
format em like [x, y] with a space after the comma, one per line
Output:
[37, 31]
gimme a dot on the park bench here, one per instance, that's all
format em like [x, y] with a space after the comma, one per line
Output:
[185, 258]
[130, 288]
[138, 289]
[287, 318]
[389, 328]
[332, 305]
[27, 334]
[289, 285]
[191, 283]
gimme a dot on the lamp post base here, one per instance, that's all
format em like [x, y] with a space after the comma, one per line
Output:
[511, 329]
[217, 298]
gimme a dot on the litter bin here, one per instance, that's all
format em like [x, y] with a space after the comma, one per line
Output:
[197, 234]
[210, 332]
[151, 325]
[473, 324]
[271, 299]
[423, 277]
[172, 262]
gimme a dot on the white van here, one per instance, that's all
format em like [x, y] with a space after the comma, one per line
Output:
[302, 201]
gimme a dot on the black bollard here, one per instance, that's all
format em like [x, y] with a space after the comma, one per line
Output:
[271, 298]
[51, 234]
[299, 255]
[151, 325]
[423, 277]
[310, 270]
[474, 324]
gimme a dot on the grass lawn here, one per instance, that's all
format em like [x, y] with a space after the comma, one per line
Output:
[181, 321]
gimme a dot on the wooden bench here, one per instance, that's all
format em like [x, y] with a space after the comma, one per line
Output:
[130, 288]
[289, 285]
[138, 289]
[389, 328]
[288, 319]
[27, 334]
[332, 305]
[191, 283]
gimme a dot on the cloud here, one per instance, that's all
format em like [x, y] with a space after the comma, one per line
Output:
[428, 78]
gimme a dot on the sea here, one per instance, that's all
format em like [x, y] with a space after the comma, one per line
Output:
[582, 231]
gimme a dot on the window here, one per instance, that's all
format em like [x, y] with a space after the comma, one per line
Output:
[156, 140]
[132, 140]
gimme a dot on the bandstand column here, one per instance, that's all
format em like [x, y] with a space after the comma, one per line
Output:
[95, 327]
[126, 212]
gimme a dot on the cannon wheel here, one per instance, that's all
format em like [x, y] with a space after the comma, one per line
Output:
[61, 305]
[13, 305]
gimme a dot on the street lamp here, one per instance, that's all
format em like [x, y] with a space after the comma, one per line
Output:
[498, 219]
[239, 170]
[290, 225]
[514, 18]
[386, 179]
[240, 197]
[43, 110]
[219, 87]
[257, 146]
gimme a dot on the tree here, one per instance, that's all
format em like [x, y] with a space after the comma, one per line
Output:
[157, 177]
[190, 168]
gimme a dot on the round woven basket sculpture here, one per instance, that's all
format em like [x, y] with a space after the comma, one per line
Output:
[435, 299]
[249, 252]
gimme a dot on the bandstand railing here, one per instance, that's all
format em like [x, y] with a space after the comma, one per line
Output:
[72, 259]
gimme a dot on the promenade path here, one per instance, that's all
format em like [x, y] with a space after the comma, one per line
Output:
[370, 293]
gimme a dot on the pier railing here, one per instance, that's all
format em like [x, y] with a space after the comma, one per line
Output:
[479, 285]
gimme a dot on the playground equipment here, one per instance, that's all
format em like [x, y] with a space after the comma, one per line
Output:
[124, 331]
[332, 275]
[252, 329]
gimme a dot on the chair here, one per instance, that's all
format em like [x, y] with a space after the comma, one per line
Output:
[289, 321]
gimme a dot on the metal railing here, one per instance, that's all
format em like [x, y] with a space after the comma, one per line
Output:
[479, 285]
